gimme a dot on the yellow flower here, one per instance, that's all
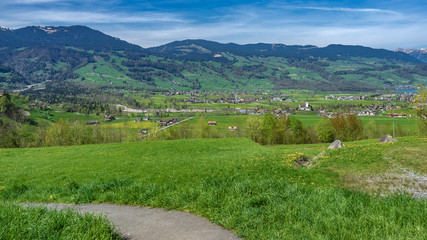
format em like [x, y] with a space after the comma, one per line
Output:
[51, 196]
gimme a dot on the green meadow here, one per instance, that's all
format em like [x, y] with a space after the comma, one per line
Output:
[19, 222]
[259, 192]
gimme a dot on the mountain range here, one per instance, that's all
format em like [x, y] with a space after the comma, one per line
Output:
[78, 54]
[420, 54]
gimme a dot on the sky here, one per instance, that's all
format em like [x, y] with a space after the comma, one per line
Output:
[388, 24]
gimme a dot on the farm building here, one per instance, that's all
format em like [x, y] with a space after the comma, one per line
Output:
[212, 123]
[232, 128]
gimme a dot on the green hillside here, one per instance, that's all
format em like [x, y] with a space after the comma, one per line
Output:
[258, 192]
[80, 54]
[250, 74]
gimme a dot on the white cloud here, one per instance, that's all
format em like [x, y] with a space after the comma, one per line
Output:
[367, 10]
[31, 1]
[381, 36]
[243, 24]
[48, 17]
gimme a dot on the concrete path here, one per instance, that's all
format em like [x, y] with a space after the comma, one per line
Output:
[153, 223]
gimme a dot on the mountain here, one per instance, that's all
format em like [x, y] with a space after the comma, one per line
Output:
[202, 49]
[74, 36]
[54, 57]
[420, 54]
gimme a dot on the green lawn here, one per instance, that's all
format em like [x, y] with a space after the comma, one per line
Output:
[256, 191]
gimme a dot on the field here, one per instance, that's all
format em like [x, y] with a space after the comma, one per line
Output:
[382, 124]
[258, 192]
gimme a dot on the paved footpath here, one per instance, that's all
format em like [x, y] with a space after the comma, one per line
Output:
[153, 223]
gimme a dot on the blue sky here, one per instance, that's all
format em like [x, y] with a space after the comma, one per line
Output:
[381, 24]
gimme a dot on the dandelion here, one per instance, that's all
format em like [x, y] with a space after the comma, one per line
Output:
[51, 196]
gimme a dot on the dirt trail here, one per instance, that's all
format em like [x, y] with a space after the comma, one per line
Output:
[152, 223]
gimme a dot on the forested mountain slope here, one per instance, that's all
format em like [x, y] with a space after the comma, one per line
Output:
[49, 55]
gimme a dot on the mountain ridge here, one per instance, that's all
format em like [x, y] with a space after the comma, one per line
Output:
[181, 49]
[420, 54]
[77, 36]
[80, 54]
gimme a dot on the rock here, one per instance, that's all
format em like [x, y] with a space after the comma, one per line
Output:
[336, 144]
[386, 139]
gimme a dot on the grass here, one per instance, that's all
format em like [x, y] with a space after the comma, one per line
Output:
[258, 192]
[103, 73]
[18, 222]
[376, 167]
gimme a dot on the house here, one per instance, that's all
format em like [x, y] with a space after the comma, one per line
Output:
[163, 124]
[368, 112]
[92, 122]
[212, 123]
[260, 112]
[305, 107]
[232, 128]
[396, 115]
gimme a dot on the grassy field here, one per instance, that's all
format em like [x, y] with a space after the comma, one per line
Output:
[18, 222]
[258, 192]
[382, 124]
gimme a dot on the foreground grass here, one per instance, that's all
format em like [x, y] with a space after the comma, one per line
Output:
[18, 222]
[256, 191]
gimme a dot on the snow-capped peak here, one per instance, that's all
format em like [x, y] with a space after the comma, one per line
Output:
[5, 28]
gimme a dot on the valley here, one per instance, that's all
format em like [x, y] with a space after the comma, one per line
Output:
[237, 134]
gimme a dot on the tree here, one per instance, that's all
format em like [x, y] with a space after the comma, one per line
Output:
[325, 131]
[299, 134]
[269, 129]
[254, 126]
[420, 102]
[6, 104]
[355, 127]
[59, 134]
[340, 125]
